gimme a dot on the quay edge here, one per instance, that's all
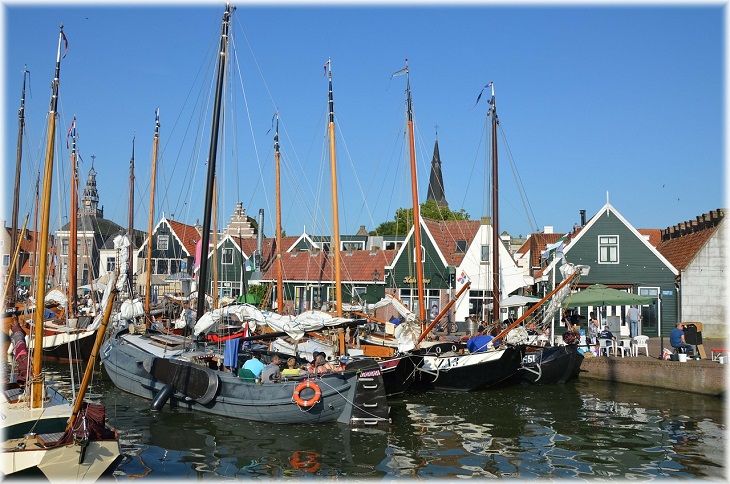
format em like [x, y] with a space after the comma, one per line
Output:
[704, 376]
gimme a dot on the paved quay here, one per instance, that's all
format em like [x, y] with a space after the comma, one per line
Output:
[705, 376]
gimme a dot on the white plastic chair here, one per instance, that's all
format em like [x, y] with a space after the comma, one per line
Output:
[605, 345]
[623, 349]
[639, 342]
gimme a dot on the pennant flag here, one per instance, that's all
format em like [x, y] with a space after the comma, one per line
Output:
[481, 92]
[326, 65]
[463, 278]
[71, 130]
[65, 40]
[400, 72]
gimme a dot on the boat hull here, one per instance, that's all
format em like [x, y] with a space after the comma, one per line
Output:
[355, 396]
[26, 458]
[551, 364]
[399, 373]
[468, 372]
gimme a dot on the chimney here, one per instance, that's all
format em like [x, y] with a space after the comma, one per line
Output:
[582, 218]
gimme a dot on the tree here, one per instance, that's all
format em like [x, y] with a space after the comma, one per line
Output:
[403, 219]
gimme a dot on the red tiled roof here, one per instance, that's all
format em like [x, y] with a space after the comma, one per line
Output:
[538, 242]
[188, 235]
[355, 265]
[446, 232]
[655, 235]
[680, 251]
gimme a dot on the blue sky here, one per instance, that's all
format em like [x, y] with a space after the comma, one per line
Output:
[595, 101]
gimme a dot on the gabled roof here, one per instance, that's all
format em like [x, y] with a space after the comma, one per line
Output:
[608, 208]
[355, 265]
[445, 233]
[188, 235]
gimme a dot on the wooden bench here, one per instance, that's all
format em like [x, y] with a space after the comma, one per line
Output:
[717, 353]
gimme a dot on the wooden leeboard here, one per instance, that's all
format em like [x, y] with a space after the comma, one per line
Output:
[194, 381]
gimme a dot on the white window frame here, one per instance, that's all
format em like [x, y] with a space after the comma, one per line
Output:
[227, 256]
[423, 255]
[358, 292]
[6, 260]
[608, 249]
[484, 256]
[166, 239]
[111, 264]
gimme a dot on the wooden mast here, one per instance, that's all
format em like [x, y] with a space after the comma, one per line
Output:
[35, 237]
[130, 223]
[418, 253]
[495, 212]
[37, 383]
[73, 227]
[279, 272]
[335, 246]
[212, 153]
[148, 282]
[10, 294]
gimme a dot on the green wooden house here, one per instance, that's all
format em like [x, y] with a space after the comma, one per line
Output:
[622, 258]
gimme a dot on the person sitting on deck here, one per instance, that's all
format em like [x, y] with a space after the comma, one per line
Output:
[271, 372]
[322, 366]
[291, 370]
[676, 339]
[252, 365]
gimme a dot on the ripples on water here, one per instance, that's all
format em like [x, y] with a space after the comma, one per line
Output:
[582, 430]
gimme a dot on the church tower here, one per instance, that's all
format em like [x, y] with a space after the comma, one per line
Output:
[436, 179]
[90, 200]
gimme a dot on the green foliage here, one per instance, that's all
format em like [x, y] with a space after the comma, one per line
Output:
[403, 219]
[258, 290]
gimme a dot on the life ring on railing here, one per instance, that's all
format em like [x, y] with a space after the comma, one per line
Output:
[305, 461]
[307, 403]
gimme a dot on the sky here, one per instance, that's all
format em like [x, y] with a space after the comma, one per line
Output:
[597, 102]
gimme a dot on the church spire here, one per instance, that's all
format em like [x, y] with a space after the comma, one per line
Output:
[436, 180]
[90, 205]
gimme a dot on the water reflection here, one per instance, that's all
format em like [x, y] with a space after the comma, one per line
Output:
[585, 430]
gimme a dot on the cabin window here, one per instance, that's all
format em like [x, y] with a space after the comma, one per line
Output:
[608, 249]
[227, 256]
[485, 253]
[461, 246]
[6, 260]
[110, 264]
[162, 241]
[64, 246]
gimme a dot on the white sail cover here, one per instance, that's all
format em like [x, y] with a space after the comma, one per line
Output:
[294, 326]
[55, 295]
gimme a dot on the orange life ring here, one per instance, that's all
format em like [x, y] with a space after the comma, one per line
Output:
[307, 384]
[305, 461]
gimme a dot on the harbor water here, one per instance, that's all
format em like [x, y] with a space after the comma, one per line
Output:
[580, 430]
